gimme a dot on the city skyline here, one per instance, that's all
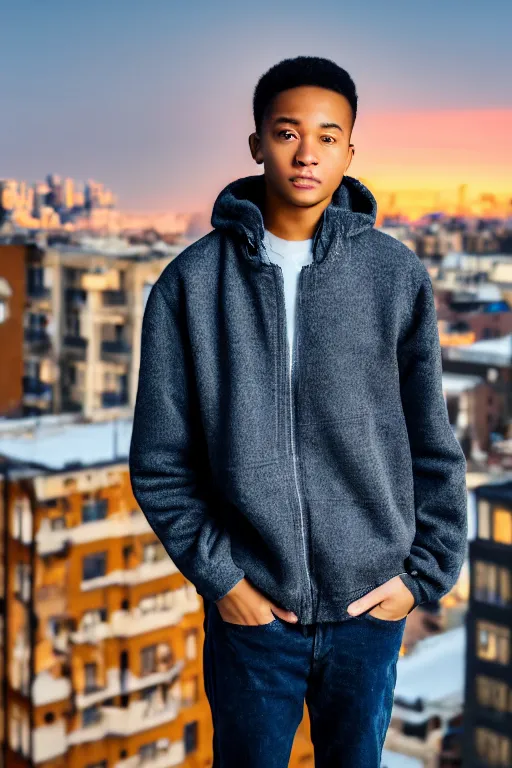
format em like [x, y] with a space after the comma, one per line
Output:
[150, 102]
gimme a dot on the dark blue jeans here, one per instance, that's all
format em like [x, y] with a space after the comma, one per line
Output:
[257, 678]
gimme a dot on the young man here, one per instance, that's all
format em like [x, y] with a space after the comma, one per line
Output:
[291, 444]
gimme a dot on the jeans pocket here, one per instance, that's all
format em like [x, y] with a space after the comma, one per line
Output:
[378, 620]
[246, 627]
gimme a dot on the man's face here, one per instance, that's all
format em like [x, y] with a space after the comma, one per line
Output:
[306, 130]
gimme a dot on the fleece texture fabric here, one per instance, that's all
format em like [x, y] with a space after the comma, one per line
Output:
[316, 484]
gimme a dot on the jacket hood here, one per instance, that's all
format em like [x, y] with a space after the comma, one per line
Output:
[238, 210]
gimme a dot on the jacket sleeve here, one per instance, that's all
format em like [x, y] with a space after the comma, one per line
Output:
[168, 466]
[439, 465]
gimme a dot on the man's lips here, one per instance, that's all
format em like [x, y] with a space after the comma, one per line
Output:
[305, 180]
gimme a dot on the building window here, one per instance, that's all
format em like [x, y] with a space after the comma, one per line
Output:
[94, 566]
[493, 748]
[22, 578]
[190, 737]
[190, 692]
[94, 509]
[502, 525]
[147, 752]
[21, 520]
[148, 660]
[493, 694]
[492, 583]
[90, 670]
[5, 296]
[484, 519]
[163, 601]
[91, 715]
[191, 644]
[492, 642]
[153, 552]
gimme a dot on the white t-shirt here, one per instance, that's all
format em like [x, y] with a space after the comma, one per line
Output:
[291, 255]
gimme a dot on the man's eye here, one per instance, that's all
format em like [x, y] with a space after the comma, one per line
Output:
[289, 133]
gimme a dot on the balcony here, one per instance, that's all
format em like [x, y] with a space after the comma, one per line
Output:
[118, 683]
[38, 292]
[37, 339]
[49, 542]
[140, 716]
[132, 623]
[126, 624]
[93, 511]
[35, 389]
[49, 741]
[75, 345]
[115, 350]
[168, 757]
[119, 721]
[101, 280]
[133, 576]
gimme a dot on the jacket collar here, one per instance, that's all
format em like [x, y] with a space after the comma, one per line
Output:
[238, 210]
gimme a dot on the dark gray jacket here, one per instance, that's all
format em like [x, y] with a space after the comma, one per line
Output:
[320, 486]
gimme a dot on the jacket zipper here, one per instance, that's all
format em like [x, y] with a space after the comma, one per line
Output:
[291, 382]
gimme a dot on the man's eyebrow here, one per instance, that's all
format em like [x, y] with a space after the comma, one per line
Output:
[293, 121]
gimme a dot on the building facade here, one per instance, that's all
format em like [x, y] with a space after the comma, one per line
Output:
[488, 686]
[102, 643]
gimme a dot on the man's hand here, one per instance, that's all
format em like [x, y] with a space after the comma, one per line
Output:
[392, 600]
[244, 604]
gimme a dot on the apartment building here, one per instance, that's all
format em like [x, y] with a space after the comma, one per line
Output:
[103, 636]
[83, 321]
[488, 683]
[73, 324]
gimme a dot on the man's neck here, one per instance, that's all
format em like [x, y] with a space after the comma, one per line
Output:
[291, 222]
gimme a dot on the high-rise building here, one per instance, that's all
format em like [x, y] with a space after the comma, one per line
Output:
[488, 687]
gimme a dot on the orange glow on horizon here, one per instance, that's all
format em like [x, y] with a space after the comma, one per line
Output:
[437, 160]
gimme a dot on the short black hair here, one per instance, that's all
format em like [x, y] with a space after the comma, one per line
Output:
[302, 70]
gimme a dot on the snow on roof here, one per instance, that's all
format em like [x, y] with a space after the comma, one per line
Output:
[55, 445]
[391, 759]
[434, 671]
[496, 351]
[453, 383]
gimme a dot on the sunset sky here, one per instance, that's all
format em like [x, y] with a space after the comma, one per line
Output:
[155, 98]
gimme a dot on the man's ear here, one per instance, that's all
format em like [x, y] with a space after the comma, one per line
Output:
[254, 145]
[352, 151]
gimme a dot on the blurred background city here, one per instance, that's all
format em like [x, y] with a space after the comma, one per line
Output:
[120, 124]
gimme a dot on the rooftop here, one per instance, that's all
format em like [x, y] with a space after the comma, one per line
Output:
[62, 442]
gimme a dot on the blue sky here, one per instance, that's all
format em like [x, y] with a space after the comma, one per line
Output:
[154, 98]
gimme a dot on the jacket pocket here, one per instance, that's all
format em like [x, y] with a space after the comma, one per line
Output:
[360, 495]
